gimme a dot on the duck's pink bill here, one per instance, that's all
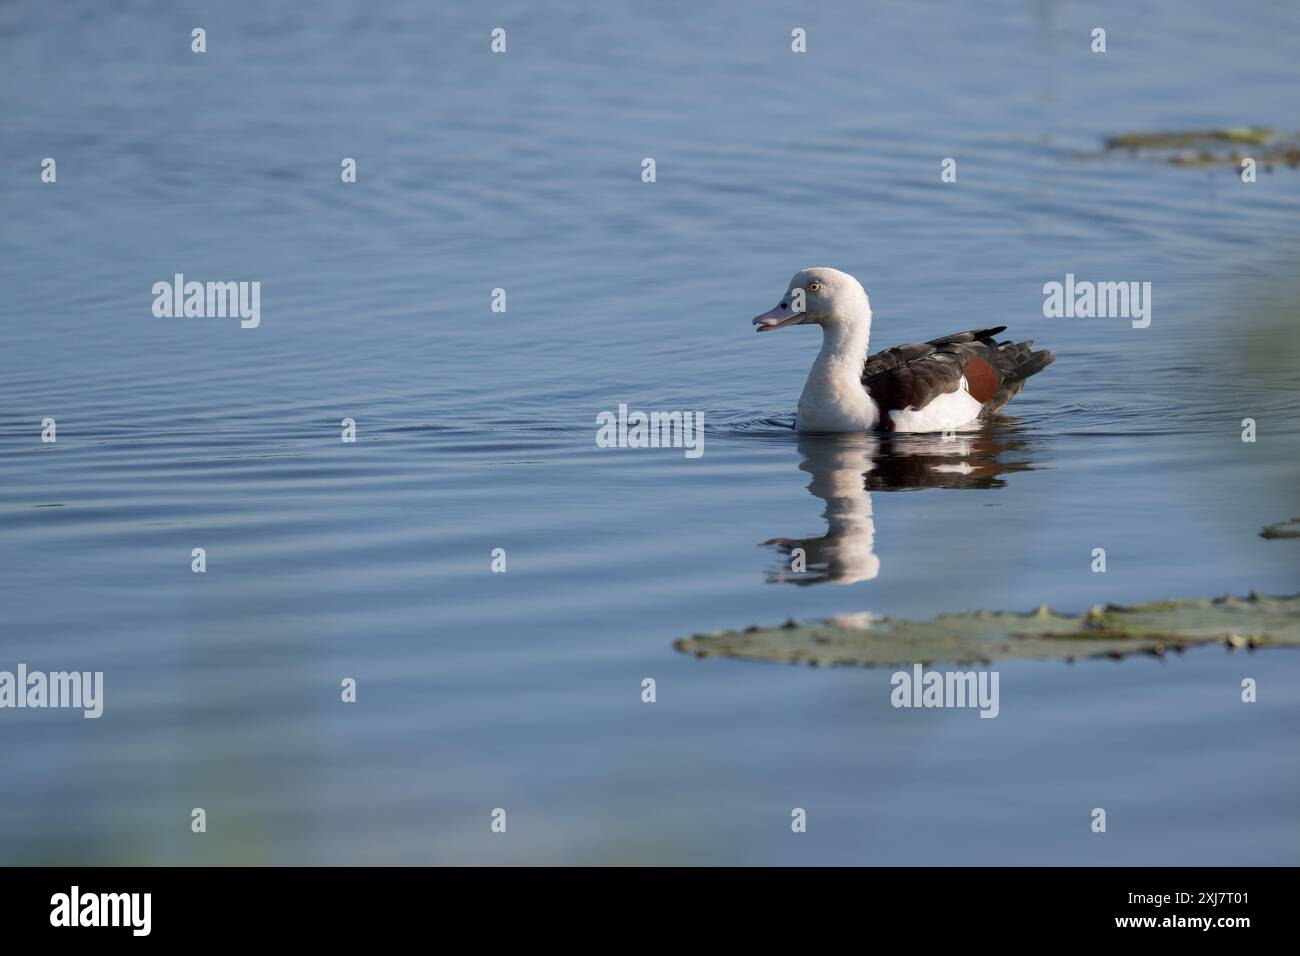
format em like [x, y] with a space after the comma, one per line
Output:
[778, 318]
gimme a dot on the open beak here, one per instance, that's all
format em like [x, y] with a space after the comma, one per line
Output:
[778, 318]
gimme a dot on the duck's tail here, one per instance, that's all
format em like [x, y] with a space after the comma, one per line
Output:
[1017, 361]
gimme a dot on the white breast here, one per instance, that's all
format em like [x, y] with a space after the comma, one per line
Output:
[834, 400]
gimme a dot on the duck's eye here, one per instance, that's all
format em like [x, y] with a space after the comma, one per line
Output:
[814, 287]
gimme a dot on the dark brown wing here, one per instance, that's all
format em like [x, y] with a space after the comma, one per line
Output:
[912, 376]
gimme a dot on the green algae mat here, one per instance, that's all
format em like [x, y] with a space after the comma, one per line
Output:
[1212, 147]
[985, 636]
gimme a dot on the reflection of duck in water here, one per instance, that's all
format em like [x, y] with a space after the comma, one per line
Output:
[846, 552]
[966, 460]
[845, 470]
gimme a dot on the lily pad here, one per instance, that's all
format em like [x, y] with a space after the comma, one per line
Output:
[1255, 135]
[1282, 529]
[985, 636]
[1269, 158]
[1212, 147]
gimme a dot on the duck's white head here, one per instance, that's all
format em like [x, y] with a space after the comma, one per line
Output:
[820, 296]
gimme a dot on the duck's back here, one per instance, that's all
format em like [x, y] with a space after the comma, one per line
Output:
[948, 382]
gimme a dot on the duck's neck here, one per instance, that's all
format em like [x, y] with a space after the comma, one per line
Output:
[833, 398]
[844, 350]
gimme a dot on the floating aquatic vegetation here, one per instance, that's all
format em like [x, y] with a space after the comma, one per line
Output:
[1290, 156]
[1191, 138]
[1213, 147]
[985, 636]
[1282, 529]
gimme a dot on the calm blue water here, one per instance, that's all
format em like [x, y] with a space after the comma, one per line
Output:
[476, 430]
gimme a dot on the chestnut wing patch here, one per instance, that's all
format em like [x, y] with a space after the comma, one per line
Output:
[981, 378]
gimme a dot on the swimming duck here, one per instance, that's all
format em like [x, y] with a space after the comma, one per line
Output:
[945, 384]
